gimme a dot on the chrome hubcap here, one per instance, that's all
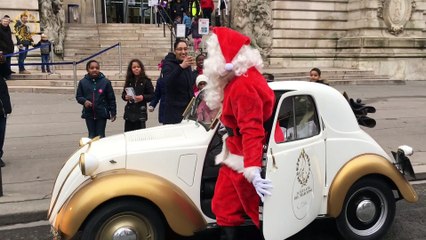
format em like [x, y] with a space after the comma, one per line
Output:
[124, 233]
[365, 211]
[127, 226]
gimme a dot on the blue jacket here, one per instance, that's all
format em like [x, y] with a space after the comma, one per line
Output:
[159, 96]
[187, 22]
[98, 91]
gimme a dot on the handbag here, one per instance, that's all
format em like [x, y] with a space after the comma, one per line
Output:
[135, 112]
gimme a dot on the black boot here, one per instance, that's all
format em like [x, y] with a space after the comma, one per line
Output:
[229, 233]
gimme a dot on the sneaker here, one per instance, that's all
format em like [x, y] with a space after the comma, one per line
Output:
[2, 164]
[24, 72]
[43, 71]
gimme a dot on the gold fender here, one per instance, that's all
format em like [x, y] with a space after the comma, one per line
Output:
[180, 212]
[359, 167]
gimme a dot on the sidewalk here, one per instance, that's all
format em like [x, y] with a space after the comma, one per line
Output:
[44, 130]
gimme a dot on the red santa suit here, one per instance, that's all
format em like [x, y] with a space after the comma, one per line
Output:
[247, 103]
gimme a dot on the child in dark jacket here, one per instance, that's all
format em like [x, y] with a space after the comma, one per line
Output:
[96, 95]
[135, 112]
[45, 49]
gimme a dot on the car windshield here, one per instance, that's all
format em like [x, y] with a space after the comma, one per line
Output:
[198, 111]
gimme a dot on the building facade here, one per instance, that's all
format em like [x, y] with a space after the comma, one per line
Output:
[387, 36]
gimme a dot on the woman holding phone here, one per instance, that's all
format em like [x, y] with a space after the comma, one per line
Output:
[179, 81]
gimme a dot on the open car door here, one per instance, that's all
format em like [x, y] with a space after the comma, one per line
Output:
[296, 167]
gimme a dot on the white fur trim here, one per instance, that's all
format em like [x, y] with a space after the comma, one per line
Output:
[235, 162]
[250, 172]
[229, 66]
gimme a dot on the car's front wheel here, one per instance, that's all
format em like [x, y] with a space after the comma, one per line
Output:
[125, 219]
[368, 210]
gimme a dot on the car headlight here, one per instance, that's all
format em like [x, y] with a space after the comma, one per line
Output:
[88, 164]
[402, 162]
[408, 151]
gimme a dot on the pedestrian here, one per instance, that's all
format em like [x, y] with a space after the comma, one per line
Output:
[196, 36]
[207, 7]
[204, 113]
[5, 106]
[45, 49]
[137, 92]
[222, 11]
[200, 82]
[24, 40]
[195, 8]
[187, 21]
[236, 85]
[159, 96]
[315, 76]
[96, 95]
[178, 20]
[177, 8]
[6, 42]
[179, 82]
[199, 61]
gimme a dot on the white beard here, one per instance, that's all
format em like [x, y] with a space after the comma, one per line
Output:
[214, 69]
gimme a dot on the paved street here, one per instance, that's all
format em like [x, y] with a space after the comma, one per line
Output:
[44, 130]
[408, 225]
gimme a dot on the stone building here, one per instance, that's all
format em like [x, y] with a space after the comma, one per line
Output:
[387, 36]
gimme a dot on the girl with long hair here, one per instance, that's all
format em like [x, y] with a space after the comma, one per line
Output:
[137, 92]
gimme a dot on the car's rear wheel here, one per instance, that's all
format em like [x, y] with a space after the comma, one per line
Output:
[125, 219]
[368, 210]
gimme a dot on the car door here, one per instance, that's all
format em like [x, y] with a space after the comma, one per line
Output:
[295, 165]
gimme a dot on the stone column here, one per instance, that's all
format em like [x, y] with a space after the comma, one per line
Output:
[254, 19]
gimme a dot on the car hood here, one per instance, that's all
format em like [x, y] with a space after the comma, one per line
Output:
[112, 153]
[187, 133]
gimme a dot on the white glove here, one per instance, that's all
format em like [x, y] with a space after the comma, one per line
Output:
[261, 185]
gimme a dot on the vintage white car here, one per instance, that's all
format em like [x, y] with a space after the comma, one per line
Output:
[141, 184]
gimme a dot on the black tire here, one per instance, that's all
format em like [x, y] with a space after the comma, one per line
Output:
[145, 221]
[376, 204]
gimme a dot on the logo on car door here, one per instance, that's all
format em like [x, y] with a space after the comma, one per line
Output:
[303, 186]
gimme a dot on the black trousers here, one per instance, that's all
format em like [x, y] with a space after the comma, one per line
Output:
[96, 127]
[131, 126]
[2, 134]
[207, 13]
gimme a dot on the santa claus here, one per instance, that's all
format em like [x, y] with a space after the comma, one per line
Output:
[236, 85]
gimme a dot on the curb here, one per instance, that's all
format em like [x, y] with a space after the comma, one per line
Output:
[23, 217]
[23, 211]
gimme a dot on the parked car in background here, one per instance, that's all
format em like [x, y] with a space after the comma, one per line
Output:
[143, 183]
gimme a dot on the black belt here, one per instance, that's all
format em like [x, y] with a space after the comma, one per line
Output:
[231, 132]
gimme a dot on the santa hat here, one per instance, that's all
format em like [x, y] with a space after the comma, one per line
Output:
[230, 42]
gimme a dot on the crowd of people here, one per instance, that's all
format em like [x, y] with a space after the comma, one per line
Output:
[232, 73]
[24, 40]
[175, 88]
[168, 11]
